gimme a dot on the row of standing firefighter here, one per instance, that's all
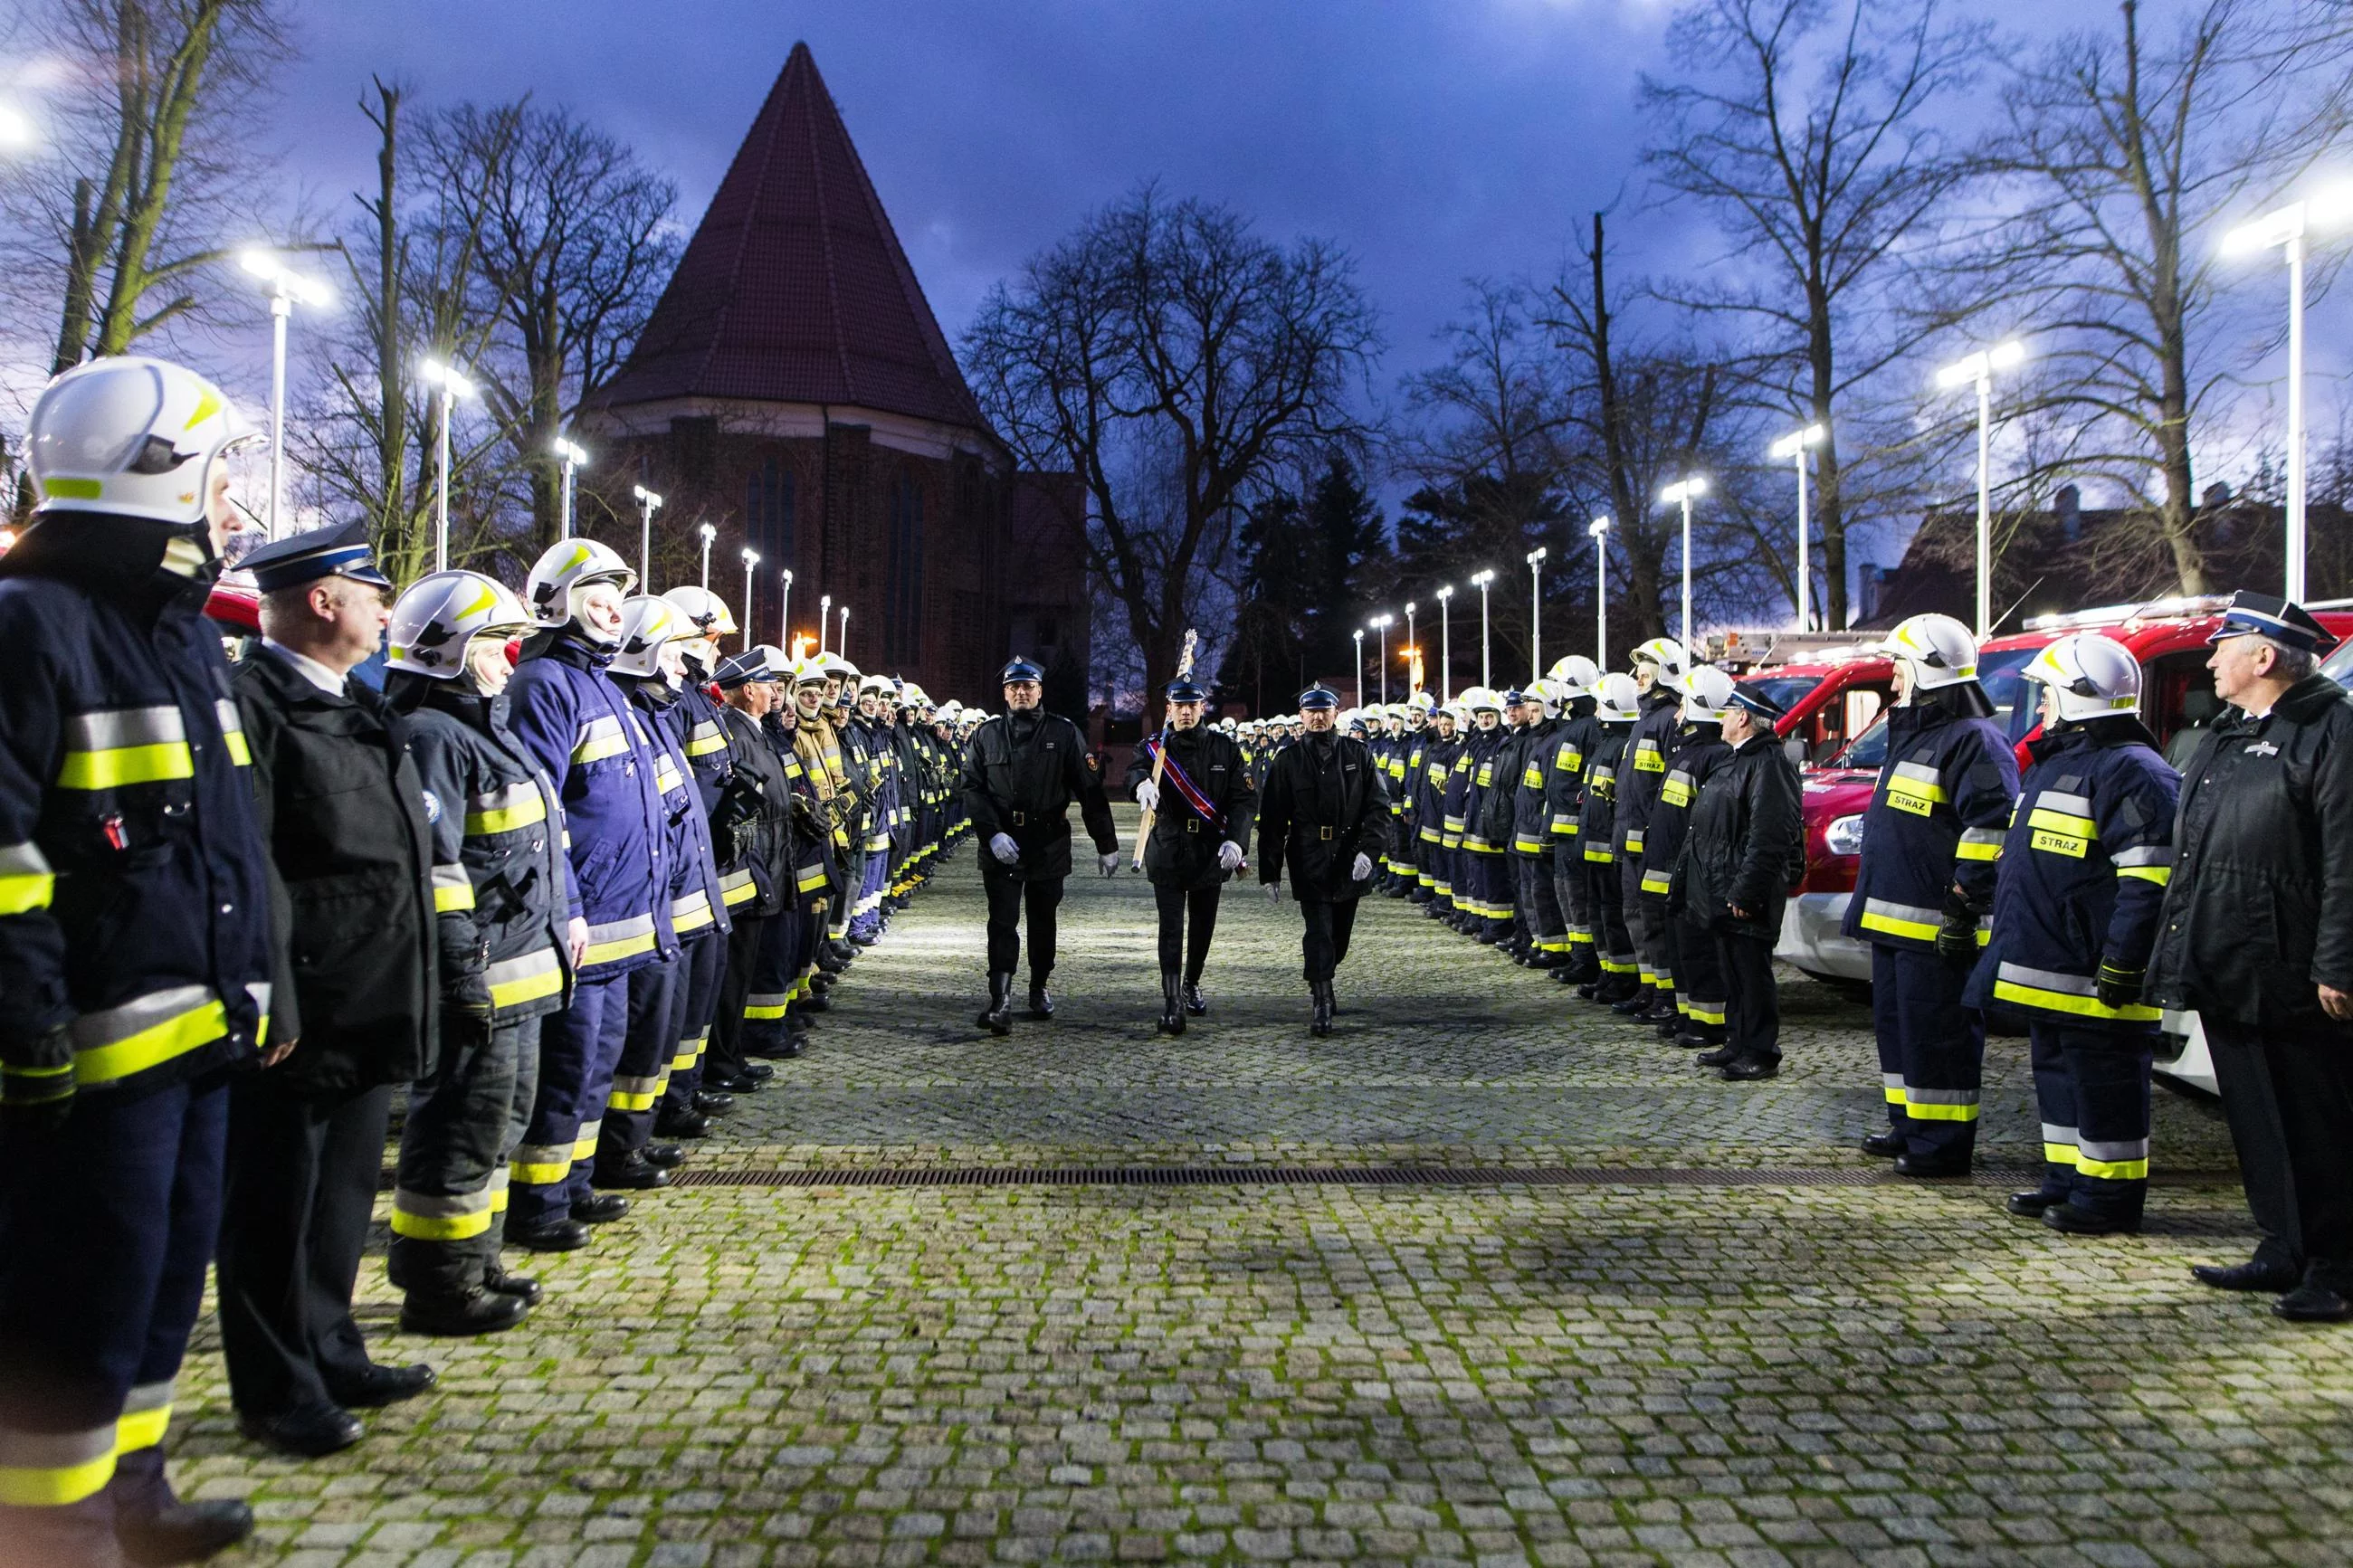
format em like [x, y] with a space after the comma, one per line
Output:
[571, 878]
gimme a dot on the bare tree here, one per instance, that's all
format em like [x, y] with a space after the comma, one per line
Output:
[1168, 339]
[1807, 135]
[2121, 156]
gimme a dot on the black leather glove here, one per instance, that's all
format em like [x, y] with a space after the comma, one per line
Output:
[36, 1080]
[1956, 939]
[2119, 986]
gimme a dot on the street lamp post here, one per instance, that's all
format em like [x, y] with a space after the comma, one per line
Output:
[1535, 614]
[752, 559]
[573, 457]
[1600, 529]
[453, 387]
[1479, 580]
[1794, 446]
[1409, 643]
[648, 503]
[1976, 371]
[285, 288]
[784, 625]
[2287, 228]
[1445, 647]
[710, 534]
[841, 642]
[1682, 493]
[1382, 624]
[824, 619]
[1360, 665]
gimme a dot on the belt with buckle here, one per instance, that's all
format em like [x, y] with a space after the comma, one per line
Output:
[1323, 833]
[1021, 820]
[1192, 825]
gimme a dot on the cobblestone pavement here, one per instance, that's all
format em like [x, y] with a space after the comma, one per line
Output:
[1633, 1371]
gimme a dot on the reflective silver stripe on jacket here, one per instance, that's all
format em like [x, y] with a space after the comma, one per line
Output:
[115, 729]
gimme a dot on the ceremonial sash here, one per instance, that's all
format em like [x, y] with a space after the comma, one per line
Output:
[1173, 772]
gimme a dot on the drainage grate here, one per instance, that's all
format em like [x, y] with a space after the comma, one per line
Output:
[1359, 1176]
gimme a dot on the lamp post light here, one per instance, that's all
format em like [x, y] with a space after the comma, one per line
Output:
[710, 534]
[785, 624]
[1794, 446]
[841, 641]
[648, 503]
[1682, 493]
[2287, 228]
[1600, 529]
[1360, 665]
[1479, 580]
[752, 559]
[453, 387]
[1382, 624]
[824, 619]
[1409, 641]
[285, 288]
[575, 459]
[1445, 647]
[1976, 371]
[1535, 614]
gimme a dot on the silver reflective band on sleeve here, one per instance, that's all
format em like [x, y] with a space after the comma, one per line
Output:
[1981, 835]
[453, 889]
[125, 746]
[2147, 855]
[514, 981]
[25, 880]
[232, 732]
[504, 810]
[2060, 800]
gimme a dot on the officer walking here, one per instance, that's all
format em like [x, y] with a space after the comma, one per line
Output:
[1021, 773]
[1932, 835]
[1325, 814]
[501, 909]
[2257, 935]
[1744, 848]
[134, 956]
[1201, 806]
[2075, 915]
[357, 996]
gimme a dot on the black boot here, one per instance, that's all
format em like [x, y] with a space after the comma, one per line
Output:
[183, 1531]
[1042, 1001]
[1319, 1020]
[1171, 1004]
[1195, 1002]
[997, 1016]
[474, 1311]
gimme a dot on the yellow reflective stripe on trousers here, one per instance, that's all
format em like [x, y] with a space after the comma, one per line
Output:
[541, 1164]
[426, 1218]
[25, 880]
[453, 890]
[125, 746]
[635, 1094]
[762, 1004]
[51, 1470]
[232, 733]
[504, 810]
[114, 1044]
[1891, 1086]
[616, 940]
[2118, 1162]
[2076, 994]
[1940, 1104]
[146, 1415]
[514, 981]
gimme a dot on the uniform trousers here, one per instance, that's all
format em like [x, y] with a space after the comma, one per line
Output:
[1188, 919]
[635, 1087]
[701, 959]
[1752, 1003]
[1620, 965]
[1931, 1051]
[2091, 1085]
[1648, 921]
[1701, 985]
[460, 1130]
[1491, 882]
[106, 1226]
[1324, 943]
[1009, 899]
[301, 1185]
[2287, 1094]
[578, 1048]
[726, 1058]
[1542, 923]
[1573, 892]
[767, 993]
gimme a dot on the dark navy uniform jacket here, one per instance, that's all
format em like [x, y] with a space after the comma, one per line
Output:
[1938, 818]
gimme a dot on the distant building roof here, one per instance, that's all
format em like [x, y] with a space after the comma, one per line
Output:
[794, 288]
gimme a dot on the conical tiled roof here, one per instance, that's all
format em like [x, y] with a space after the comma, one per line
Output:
[794, 287]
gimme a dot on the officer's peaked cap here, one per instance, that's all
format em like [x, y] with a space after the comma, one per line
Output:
[2286, 623]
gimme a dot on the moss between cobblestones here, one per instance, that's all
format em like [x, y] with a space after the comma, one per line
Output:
[1785, 1374]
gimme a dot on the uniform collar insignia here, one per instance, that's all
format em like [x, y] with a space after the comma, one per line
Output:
[2262, 749]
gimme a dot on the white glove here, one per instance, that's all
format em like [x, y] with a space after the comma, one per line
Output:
[1148, 796]
[1004, 848]
[1230, 856]
[1274, 892]
[1109, 863]
[1361, 869]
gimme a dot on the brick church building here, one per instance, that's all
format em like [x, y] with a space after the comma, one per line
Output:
[793, 389]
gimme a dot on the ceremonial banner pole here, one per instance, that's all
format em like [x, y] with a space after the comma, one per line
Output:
[1160, 757]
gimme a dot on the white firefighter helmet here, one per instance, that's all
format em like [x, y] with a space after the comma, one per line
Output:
[1617, 700]
[2090, 676]
[130, 437]
[1938, 648]
[646, 623]
[1485, 697]
[438, 618]
[1546, 695]
[1672, 658]
[1708, 693]
[808, 671]
[1576, 676]
[705, 612]
[1421, 702]
[565, 568]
